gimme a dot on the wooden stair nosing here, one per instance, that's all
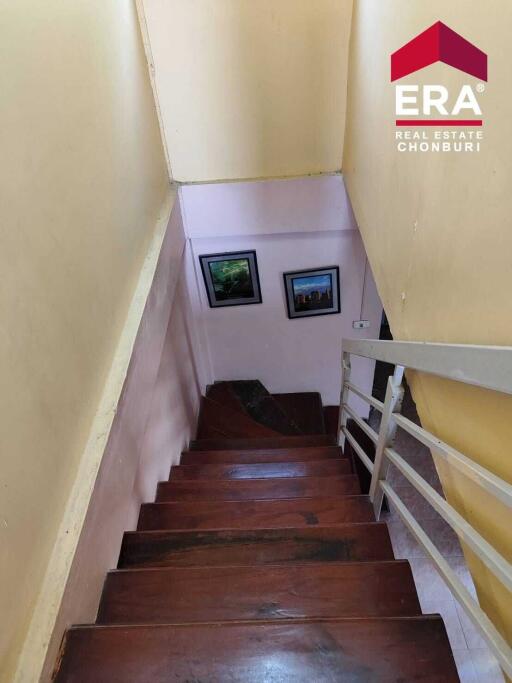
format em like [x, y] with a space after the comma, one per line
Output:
[386, 650]
[317, 468]
[167, 595]
[259, 455]
[293, 512]
[262, 442]
[256, 489]
[343, 543]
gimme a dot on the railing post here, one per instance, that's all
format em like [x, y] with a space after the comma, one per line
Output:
[346, 369]
[392, 404]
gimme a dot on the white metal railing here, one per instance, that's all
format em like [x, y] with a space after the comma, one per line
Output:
[489, 367]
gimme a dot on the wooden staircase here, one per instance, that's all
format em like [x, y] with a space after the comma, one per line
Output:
[259, 561]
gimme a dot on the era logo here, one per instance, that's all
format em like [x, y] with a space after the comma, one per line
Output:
[439, 43]
[433, 99]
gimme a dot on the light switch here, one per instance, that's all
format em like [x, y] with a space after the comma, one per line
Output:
[361, 324]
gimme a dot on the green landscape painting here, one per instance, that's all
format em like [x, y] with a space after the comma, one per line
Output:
[231, 279]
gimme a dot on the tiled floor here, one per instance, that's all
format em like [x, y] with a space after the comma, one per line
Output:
[475, 662]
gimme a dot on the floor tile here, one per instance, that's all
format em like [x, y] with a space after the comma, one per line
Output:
[451, 620]
[465, 666]
[472, 635]
[486, 666]
[430, 586]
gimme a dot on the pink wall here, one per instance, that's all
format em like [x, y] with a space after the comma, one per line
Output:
[266, 206]
[292, 224]
[155, 419]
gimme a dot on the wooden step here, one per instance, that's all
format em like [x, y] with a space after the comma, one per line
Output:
[345, 543]
[389, 650]
[304, 409]
[253, 399]
[260, 514]
[216, 444]
[261, 455]
[204, 594]
[257, 489]
[217, 420]
[316, 468]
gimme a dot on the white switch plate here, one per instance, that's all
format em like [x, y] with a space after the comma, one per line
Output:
[361, 324]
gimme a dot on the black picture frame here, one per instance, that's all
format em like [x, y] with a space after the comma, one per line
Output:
[248, 291]
[327, 302]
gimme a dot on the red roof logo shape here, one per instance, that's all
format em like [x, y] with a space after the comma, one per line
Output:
[439, 43]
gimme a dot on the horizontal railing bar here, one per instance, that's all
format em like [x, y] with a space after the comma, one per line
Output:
[488, 481]
[489, 367]
[378, 405]
[359, 451]
[359, 421]
[480, 619]
[484, 550]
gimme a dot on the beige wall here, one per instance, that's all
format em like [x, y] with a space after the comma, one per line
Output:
[438, 233]
[249, 88]
[82, 180]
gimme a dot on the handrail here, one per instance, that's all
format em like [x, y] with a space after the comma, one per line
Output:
[374, 402]
[362, 455]
[489, 367]
[479, 618]
[371, 433]
[490, 557]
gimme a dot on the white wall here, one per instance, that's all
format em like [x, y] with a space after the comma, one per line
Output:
[292, 224]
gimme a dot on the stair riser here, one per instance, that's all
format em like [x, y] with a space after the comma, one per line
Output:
[248, 457]
[350, 543]
[257, 489]
[320, 468]
[273, 442]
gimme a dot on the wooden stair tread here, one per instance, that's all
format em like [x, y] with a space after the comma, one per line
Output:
[218, 420]
[255, 455]
[344, 543]
[257, 489]
[304, 409]
[262, 442]
[268, 514]
[321, 651]
[204, 594]
[209, 472]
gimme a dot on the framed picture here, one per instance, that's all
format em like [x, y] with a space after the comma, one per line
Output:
[231, 279]
[312, 292]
